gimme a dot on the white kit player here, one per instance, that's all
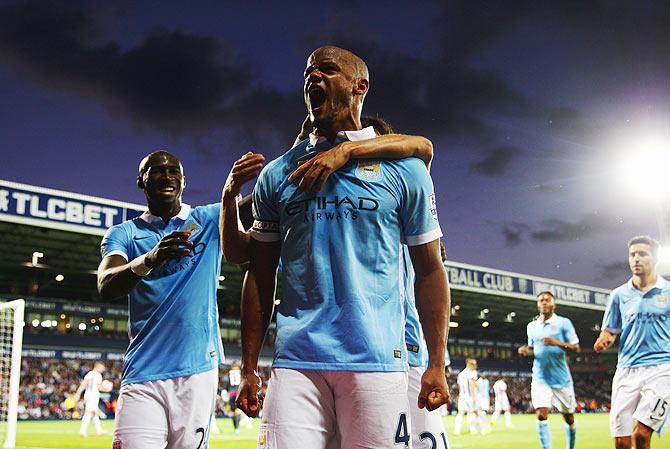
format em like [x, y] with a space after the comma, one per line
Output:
[91, 387]
[501, 403]
[468, 400]
[639, 311]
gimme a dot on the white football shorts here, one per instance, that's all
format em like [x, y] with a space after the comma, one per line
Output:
[91, 402]
[166, 414]
[544, 396]
[318, 409]
[427, 427]
[501, 403]
[468, 403]
[640, 394]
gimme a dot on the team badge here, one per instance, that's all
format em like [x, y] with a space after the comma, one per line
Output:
[369, 170]
[661, 301]
[191, 228]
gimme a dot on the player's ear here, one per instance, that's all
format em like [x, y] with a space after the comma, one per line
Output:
[140, 182]
[361, 86]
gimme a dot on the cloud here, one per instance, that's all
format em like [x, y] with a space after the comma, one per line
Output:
[514, 233]
[558, 230]
[496, 161]
[612, 271]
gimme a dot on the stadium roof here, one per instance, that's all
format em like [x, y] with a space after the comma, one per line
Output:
[47, 232]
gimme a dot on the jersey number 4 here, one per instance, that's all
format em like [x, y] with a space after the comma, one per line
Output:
[402, 432]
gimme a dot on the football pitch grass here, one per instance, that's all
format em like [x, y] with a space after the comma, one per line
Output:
[592, 433]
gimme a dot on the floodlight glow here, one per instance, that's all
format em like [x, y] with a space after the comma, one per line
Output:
[82, 326]
[36, 323]
[453, 323]
[642, 166]
[59, 278]
[485, 324]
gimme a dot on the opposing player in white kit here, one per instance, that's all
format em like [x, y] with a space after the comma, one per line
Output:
[549, 337]
[339, 366]
[501, 402]
[91, 387]
[468, 399]
[639, 311]
[166, 262]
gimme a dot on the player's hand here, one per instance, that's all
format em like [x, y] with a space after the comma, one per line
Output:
[434, 390]
[244, 170]
[173, 246]
[249, 398]
[551, 341]
[523, 351]
[315, 171]
[604, 341]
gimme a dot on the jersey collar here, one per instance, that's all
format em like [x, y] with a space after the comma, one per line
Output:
[550, 320]
[660, 283]
[182, 215]
[353, 136]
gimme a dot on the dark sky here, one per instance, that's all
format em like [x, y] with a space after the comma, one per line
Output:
[526, 103]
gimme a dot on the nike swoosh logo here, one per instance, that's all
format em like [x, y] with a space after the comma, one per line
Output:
[137, 237]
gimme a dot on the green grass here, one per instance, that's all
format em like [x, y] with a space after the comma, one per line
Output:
[592, 433]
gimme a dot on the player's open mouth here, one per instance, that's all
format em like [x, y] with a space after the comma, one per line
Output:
[317, 97]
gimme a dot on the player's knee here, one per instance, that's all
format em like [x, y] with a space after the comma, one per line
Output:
[542, 414]
[641, 436]
[622, 443]
[569, 418]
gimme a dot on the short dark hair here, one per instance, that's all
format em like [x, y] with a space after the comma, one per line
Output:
[653, 243]
[380, 125]
[546, 292]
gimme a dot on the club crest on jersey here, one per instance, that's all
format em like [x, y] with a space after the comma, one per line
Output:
[190, 227]
[369, 170]
[661, 301]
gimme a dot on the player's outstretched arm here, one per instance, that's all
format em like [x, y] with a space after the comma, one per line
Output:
[525, 351]
[234, 241]
[117, 277]
[604, 341]
[314, 172]
[257, 304]
[434, 306]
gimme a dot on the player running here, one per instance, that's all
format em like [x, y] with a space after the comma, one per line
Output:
[167, 263]
[549, 337]
[91, 386]
[501, 402]
[639, 311]
[468, 399]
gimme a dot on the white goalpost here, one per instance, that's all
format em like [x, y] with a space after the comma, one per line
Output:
[11, 339]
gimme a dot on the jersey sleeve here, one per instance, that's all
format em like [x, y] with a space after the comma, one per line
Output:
[115, 242]
[569, 333]
[418, 209]
[612, 316]
[265, 208]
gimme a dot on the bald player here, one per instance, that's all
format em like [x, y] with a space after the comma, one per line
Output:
[166, 264]
[339, 367]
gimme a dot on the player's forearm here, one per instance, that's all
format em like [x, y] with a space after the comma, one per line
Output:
[257, 305]
[393, 146]
[433, 303]
[234, 242]
[574, 347]
[116, 282]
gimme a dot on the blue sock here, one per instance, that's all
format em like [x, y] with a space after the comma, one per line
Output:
[544, 432]
[570, 435]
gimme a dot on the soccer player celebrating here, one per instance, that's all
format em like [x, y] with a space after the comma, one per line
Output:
[639, 311]
[549, 337]
[339, 353]
[167, 263]
[501, 402]
[91, 387]
[468, 399]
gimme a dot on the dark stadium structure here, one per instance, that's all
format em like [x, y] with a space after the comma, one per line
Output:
[50, 245]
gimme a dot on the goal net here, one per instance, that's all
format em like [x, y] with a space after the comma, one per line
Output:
[11, 338]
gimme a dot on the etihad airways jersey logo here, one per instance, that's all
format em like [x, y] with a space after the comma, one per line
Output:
[369, 171]
[331, 208]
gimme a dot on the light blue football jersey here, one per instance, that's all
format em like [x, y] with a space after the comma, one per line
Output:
[173, 316]
[417, 352]
[550, 366]
[483, 388]
[643, 320]
[341, 253]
